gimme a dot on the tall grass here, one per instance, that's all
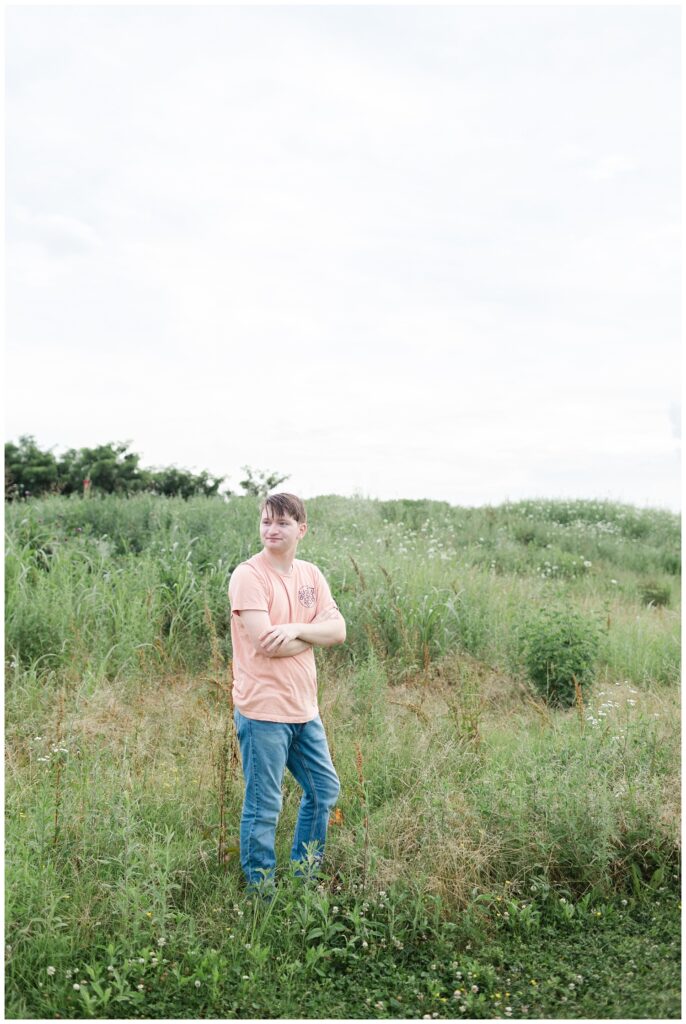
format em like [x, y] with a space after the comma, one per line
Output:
[117, 586]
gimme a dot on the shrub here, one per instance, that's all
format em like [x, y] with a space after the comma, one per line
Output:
[657, 594]
[558, 646]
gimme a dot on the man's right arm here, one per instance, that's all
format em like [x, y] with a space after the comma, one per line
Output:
[257, 623]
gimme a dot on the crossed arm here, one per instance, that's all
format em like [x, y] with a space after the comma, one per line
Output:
[289, 638]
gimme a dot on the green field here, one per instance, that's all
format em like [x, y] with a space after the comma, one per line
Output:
[493, 855]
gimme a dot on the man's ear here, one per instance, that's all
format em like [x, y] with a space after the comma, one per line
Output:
[302, 531]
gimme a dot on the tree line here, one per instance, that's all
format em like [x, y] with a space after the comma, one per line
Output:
[112, 468]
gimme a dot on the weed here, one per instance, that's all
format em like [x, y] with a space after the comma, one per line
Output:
[655, 594]
[560, 649]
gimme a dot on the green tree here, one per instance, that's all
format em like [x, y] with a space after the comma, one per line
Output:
[28, 470]
[109, 467]
[259, 482]
[174, 481]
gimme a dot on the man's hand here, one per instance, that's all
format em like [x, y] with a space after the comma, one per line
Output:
[273, 639]
[287, 639]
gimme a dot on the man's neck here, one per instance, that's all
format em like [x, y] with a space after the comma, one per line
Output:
[283, 563]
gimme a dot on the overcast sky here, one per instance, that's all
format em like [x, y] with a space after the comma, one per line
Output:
[403, 251]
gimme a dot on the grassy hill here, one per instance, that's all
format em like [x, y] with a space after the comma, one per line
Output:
[478, 829]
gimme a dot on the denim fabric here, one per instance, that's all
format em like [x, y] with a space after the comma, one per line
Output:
[267, 749]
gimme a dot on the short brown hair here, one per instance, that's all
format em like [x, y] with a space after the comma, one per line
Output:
[285, 504]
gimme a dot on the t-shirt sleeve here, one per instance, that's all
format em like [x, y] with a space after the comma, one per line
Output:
[247, 590]
[326, 606]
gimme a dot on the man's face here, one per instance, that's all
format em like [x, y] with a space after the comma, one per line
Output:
[280, 532]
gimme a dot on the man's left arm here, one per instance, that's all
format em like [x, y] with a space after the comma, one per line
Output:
[326, 629]
[323, 633]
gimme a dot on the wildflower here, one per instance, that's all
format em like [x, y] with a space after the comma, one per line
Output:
[110, 968]
[197, 984]
[161, 941]
[475, 988]
[51, 971]
[246, 977]
[76, 986]
[140, 987]
[364, 944]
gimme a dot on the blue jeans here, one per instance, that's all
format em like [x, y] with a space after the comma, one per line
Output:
[267, 749]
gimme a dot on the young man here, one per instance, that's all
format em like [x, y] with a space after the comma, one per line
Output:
[280, 608]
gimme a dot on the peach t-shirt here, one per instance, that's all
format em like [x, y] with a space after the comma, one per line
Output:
[276, 689]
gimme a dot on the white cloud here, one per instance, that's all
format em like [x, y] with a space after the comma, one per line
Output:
[675, 419]
[58, 234]
[608, 167]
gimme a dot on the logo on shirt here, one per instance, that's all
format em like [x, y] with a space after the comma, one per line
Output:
[307, 596]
